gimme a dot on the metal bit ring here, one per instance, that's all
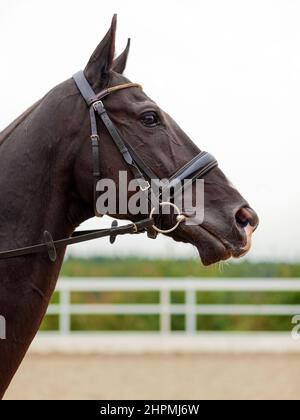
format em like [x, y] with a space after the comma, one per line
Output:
[179, 219]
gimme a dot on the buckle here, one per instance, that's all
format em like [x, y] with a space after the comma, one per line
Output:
[95, 140]
[97, 103]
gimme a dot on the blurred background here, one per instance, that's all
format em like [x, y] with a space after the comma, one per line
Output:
[229, 74]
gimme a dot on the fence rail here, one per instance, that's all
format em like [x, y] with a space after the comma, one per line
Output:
[165, 309]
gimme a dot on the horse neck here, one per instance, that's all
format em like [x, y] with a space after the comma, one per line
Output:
[35, 179]
[34, 186]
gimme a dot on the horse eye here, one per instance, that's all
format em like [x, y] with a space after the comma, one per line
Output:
[150, 119]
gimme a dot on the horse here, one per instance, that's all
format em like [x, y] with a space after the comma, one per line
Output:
[47, 184]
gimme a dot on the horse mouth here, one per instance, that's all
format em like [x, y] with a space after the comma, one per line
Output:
[212, 248]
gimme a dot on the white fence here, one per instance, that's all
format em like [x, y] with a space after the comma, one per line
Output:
[165, 309]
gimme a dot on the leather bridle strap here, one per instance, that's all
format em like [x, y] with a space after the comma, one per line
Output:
[90, 96]
[112, 89]
[111, 128]
[194, 169]
[96, 106]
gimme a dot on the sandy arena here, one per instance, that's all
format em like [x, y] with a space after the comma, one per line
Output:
[200, 376]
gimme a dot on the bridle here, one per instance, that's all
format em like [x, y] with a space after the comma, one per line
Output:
[196, 168]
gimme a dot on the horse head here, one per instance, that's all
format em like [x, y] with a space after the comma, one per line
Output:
[228, 221]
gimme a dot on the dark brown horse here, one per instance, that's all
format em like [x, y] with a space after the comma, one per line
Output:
[46, 184]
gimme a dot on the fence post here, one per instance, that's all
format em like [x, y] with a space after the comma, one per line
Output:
[191, 315]
[64, 313]
[165, 315]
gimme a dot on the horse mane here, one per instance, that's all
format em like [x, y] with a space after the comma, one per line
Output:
[8, 130]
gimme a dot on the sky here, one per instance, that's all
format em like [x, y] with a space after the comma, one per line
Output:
[227, 71]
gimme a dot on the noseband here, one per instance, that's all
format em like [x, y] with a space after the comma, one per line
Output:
[196, 168]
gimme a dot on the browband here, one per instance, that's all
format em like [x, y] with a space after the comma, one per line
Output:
[112, 89]
[88, 93]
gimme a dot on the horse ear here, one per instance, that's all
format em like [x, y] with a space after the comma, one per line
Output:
[101, 61]
[120, 62]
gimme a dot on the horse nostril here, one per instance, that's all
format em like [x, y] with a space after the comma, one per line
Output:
[246, 216]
